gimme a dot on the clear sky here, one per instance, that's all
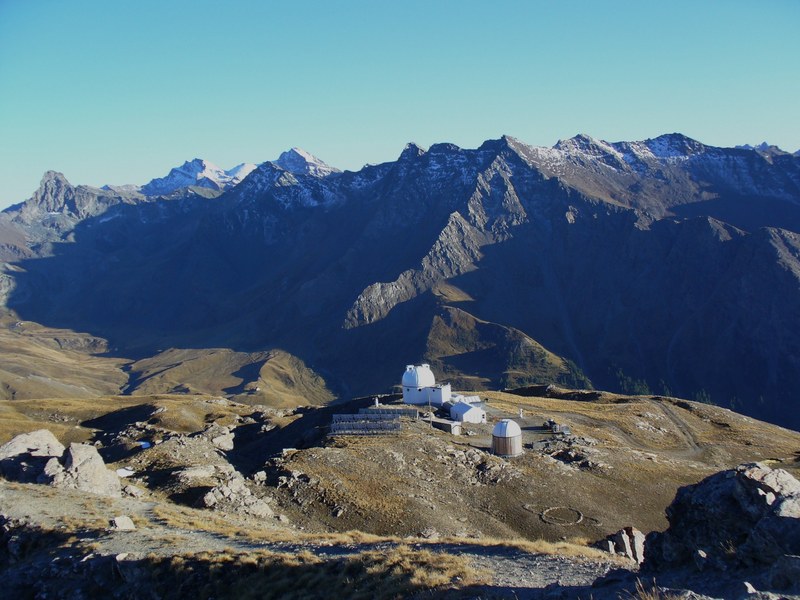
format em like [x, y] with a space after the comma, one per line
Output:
[120, 92]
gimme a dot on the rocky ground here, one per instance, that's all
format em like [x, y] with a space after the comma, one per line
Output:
[218, 480]
[93, 539]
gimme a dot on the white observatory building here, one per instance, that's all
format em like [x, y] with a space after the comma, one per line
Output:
[419, 387]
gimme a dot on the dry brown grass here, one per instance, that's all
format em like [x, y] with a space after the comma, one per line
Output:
[651, 592]
[13, 422]
[63, 416]
[74, 524]
[199, 520]
[181, 517]
[574, 548]
[396, 573]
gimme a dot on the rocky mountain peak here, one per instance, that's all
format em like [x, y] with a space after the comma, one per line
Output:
[298, 161]
[579, 141]
[497, 145]
[764, 149]
[411, 150]
[674, 145]
[761, 146]
[57, 205]
[198, 166]
[54, 192]
[505, 144]
[443, 148]
[583, 144]
[197, 172]
[53, 176]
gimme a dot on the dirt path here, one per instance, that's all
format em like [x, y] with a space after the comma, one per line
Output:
[680, 425]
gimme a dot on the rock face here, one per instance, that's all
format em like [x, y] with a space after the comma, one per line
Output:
[85, 470]
[742, 518]
[628, 542]
[221, 437]
[26, 457]
[58, 205]
[40, 457]
[223, 488]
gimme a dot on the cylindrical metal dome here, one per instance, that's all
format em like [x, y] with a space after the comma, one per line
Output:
[507, 439]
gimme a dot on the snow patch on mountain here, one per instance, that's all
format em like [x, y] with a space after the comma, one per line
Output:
[588, 146]
[239, 172]
[126, 189]
[198, 172]
[301, 162]
[674, 146]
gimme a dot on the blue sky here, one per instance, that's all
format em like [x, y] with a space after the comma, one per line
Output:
[119, 92]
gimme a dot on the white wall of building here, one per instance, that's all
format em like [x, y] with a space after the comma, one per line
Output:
[436, 394]
[467, 413]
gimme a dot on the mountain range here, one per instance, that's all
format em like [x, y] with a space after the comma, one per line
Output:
[662, 266]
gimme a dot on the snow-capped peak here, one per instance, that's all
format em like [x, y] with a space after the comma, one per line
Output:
[198, 172]
[241, 171]
[299, 161]
[583, 144]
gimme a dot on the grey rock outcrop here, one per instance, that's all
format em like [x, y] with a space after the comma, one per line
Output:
[36, 443]
[39, 457]
[122, 523]
[628, 542]
[57, 205]
[220, 436]
[27, 456]
[744, 518]
[232, 493]
[85, 470]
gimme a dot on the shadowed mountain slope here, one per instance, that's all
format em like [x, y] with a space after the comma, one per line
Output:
[635, 263]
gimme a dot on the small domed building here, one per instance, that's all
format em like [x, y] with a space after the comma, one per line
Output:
[419, 386]
[506, 438]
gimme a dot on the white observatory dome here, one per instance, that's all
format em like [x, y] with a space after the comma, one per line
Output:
[506, 429]
[418, 376]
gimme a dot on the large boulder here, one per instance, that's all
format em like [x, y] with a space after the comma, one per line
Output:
[220, 436]
[24, 457]
[628, 542]
[39, 457]
[742, 518]
[84, 469]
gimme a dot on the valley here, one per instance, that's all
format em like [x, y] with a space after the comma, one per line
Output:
[197, 335]
[663, 266]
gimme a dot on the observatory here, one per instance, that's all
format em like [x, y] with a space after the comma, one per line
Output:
[419, 386]
[507, 438]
